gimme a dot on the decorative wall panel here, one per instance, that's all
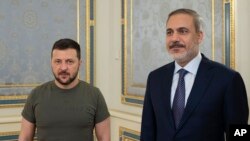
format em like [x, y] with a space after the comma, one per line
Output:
[143, 38]
[128, 134]
[28, 29]
[229, 28]
[11, 136]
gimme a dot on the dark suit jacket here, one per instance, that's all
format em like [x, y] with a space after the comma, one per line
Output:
[218, 98]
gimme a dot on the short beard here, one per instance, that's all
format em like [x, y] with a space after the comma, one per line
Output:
[179, 57]
[71, 79]
[185, 57]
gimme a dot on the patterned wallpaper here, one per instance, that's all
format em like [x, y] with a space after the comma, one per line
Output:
[28, 29]
[144, 43]
[149, 25]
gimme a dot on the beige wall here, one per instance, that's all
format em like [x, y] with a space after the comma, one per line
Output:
[108, 67]
[242, 41]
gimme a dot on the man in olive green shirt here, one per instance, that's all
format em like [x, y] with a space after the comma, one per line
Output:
[66, 109]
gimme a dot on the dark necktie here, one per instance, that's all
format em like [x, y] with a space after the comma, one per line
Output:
[179, 98]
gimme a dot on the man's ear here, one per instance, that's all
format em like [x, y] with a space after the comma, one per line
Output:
[81, 62]
[200, 36]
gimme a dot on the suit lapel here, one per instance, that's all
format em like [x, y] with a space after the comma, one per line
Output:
[167, 77]
[202, 80]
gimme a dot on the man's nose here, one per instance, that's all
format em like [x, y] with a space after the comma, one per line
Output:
[175, 37]
[64, 66]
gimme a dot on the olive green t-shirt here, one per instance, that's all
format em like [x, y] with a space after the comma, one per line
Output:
[65, 114]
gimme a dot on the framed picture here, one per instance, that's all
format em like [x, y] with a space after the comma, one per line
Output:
[27, 33]
[143, 26]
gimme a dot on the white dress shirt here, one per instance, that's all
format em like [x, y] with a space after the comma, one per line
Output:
[192, 68]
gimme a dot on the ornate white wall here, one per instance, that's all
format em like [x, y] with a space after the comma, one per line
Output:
[108, 67]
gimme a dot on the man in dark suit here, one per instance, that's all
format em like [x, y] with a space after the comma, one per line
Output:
[199, 105]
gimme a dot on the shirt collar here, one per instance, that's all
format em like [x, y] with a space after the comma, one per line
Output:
[192, 66]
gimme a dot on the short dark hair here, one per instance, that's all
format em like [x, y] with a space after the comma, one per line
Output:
[67, 43]
[197, 18]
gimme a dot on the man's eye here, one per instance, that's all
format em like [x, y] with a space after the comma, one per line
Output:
[70, 62]
[169, 33]
[183, 31]
[57, 61]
